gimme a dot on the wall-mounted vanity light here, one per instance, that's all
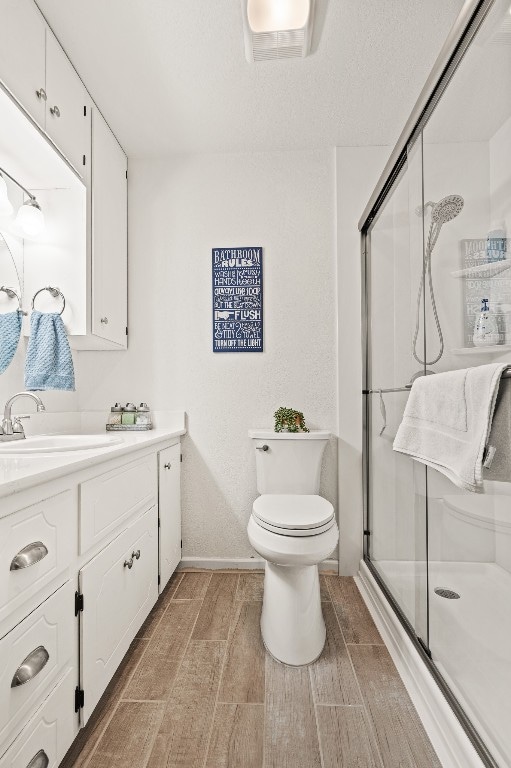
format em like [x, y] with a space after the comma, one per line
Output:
[277, 29]
[29, 220]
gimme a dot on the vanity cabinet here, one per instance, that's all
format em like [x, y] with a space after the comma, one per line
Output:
[119, 588]
[92, 547]
[169, 503]
[109, 188]
[22, 55]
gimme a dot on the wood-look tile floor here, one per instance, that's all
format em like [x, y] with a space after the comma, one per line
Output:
[197, 689]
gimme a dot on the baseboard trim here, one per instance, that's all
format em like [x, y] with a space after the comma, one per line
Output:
[240, 563]
[449, 740]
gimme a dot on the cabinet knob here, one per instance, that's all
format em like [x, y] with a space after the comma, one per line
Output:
[29, 555]
[31, 666]
[104, 320]
[41, 94]
[40, 760]
[136, 554]
[129, 563]
[167, 466]
[55, 111]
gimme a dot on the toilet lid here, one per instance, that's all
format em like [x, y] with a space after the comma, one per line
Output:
[293, 512]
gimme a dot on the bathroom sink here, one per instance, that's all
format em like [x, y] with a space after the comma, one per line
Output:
[58, 443]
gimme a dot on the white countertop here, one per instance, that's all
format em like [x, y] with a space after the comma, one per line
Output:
[19, 472]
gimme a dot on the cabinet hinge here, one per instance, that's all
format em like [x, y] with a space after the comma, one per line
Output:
[84, 160]
[159, 524]
[84, 111]
[159, 579]
[181, 458]
[367, 533]
[181, 543]
[126, 330]
[79, 698]
[78, 603]
[126, 174]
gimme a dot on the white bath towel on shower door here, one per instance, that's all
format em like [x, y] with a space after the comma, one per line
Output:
[447, 421]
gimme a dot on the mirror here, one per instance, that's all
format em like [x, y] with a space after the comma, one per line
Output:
[9, 277]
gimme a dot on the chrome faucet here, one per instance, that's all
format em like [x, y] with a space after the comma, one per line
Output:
[12, 428]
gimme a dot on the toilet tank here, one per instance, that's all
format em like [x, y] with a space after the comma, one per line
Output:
[291, 463]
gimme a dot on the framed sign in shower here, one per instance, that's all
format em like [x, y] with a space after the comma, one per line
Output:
[237, 299]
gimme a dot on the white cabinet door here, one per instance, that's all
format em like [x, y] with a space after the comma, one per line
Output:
[109, 234]
[67, 106]
[169, 464]
[22, 55]
[119, 588]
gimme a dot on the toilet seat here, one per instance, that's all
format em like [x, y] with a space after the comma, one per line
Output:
[293, 515]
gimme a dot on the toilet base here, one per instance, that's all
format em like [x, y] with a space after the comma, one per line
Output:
[292, 623]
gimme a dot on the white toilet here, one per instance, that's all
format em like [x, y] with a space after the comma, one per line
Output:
[294, 529]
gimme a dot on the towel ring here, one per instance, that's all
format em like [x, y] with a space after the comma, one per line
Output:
[54, 292]
[11, 293]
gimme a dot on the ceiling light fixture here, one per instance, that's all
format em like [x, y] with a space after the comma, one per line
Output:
[29, 220]
[277, 29]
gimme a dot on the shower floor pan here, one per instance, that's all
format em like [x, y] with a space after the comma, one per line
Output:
[469, 637]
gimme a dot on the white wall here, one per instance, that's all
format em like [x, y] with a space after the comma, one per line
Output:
[179, 209]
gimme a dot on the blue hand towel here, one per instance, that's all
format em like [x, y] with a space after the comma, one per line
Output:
[10, 330]
[49, 364]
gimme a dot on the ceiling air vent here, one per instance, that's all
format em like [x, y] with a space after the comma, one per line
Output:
[277, 29]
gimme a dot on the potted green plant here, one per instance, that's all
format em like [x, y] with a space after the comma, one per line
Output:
[289, 420]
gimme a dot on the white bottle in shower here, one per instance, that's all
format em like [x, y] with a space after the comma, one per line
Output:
[486, 330]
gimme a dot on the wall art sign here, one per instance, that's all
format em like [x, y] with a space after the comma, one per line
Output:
[237, 299]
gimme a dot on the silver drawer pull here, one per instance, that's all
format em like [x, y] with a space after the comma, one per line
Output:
[129, 563]
[167, 466]
[29, 555]
[104, 320]
[136, 554]
[40, 760]
[31, 666]
[41, 94]
[55, 111]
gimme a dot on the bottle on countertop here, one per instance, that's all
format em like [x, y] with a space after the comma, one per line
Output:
[129, 414]
[143, 417]
[486, 330]
[115, 415]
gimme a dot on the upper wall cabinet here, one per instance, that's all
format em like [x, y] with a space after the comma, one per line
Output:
[67, 106]
[109, 234]
[38, 73]
[22, 55]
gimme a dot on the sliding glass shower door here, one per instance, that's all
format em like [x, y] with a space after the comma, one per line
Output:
[437, 251]
[397, 542]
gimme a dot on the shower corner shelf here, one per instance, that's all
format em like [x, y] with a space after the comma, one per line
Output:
[493, 349]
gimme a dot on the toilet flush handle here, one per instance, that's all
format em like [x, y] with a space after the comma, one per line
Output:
[262, 448]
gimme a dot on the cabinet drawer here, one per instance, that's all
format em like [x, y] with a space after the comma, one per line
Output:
[36, 545]
[50, 732]
[117, 599]
[36, 652]
[109, 499]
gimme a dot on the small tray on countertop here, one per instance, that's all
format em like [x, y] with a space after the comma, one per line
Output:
[128, 427]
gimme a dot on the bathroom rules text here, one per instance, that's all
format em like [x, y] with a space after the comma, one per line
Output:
[237, 299]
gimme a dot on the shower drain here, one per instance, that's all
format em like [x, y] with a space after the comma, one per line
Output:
[448, 593]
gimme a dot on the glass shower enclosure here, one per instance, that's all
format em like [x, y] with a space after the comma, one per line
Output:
[436, 249]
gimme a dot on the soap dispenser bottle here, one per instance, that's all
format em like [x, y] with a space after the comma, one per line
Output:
[486, 331]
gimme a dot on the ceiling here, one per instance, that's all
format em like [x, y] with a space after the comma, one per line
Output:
[171, 75]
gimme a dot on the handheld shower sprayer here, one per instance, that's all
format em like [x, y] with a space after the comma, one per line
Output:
[442, 212]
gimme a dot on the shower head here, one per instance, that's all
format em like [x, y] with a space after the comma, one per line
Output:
[447, 209]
